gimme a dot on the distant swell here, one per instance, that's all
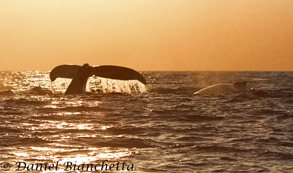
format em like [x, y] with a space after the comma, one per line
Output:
[180, 90]
[125, 143]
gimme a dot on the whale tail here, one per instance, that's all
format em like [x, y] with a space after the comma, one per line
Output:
[105, 71]
[80, 75]
[64, 71]
[117, 72]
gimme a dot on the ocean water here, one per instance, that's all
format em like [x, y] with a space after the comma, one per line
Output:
[165, 128]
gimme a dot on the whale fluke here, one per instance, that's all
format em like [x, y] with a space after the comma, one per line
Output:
[80, 75]
[117, 72]
[64, 71]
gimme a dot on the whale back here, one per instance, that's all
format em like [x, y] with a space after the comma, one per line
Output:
[223, 88]
[240, 85]
[216, 89]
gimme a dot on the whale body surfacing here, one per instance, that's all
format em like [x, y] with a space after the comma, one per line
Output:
[224, 88]
[80, 75]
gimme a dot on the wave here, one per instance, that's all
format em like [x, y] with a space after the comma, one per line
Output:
[179, 90]
[127, 143]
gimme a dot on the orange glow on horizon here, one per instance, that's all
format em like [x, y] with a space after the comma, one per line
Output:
[147, 34]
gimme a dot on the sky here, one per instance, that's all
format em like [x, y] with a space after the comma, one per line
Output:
[254, 35]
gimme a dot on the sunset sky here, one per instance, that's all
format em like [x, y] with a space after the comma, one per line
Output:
[147, 34]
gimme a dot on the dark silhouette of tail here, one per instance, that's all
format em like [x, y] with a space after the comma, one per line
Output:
[80, 75]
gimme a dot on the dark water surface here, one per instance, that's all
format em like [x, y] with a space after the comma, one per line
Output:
[167, 129]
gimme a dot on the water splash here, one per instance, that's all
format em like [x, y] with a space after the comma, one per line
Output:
[60, 85]
[102, 85]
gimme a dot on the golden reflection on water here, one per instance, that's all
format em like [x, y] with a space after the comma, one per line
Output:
[20, 154]
[52, 149]
[50, 124]
[59, 146]
[67, 113]
[105, 127]
[63, 151]
[51, 106]
[23, 81]
[60, 150]
[87, 155]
